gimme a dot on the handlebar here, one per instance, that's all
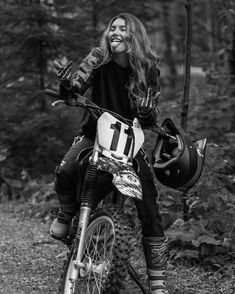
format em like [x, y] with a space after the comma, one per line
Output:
[52, 93]
[81, 101]
[78, 100]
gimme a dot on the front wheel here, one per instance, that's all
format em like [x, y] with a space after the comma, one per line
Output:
[106, 251]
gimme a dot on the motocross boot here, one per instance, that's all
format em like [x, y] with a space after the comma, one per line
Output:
[155, 254]
[61, 224]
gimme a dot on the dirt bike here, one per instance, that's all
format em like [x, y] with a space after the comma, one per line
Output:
[100, 234]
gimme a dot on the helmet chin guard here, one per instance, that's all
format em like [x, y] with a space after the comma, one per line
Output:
[178, 162]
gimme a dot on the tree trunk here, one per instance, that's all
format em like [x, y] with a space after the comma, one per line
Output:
[185, 100]
[232, 75]
[209, 26]
[168, 40]
[41, 70]
[94, 21]
[232, 61]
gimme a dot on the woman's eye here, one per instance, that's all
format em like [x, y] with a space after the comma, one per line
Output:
[122, 29]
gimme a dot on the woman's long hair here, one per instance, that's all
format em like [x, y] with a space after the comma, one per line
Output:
[141, 58]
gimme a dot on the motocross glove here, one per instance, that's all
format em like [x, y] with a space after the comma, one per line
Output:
[64, 74]
[147, 109]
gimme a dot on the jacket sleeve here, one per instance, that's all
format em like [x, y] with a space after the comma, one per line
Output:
[148, 116]
[82, 79]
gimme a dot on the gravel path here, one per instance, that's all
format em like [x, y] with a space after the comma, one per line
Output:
[30, 260]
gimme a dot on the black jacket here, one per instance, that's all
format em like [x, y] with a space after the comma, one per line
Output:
[109, 89]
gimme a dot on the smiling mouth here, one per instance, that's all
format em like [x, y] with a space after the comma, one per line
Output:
[115, 40]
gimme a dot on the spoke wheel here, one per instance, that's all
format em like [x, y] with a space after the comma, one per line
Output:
[105, 255]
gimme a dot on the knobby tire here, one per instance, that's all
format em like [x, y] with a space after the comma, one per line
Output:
[107, 243]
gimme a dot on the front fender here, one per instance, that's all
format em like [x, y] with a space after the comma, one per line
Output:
[124, 177]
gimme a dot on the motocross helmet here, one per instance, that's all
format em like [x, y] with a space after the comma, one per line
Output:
[177, 161]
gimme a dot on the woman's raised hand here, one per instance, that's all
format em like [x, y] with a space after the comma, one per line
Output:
[63, 72]
[150, 101]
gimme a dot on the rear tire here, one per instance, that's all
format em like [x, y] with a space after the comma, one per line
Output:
[106, 252]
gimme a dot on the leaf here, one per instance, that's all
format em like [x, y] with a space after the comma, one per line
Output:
[196, 243]
[196, 228]
[181, 235]
[194, 204]
[167, 203]
[208, 249]
[14, 183]
[179, 222]
[188, 253]
[209, 240]
[3, 154]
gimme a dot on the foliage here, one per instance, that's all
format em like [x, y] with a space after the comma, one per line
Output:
[31, 132]
[40, 144]
[210, 228]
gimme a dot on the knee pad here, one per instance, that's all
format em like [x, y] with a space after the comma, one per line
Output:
[64, 183]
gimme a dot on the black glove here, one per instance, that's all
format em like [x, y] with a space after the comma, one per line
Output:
[66, 88]
[63, 72]
[147, 109]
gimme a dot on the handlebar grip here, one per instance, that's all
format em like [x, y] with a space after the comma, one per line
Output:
[52, 93]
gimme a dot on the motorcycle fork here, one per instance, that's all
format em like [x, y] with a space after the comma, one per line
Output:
[79, 242]
[84, 216]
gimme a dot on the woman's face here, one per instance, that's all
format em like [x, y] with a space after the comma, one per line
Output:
[117, 35]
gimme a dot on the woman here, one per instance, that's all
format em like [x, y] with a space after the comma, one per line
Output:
[122, 73]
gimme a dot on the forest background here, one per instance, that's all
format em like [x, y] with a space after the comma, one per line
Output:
[35, 136]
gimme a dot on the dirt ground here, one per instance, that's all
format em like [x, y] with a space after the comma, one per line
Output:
[31, 261]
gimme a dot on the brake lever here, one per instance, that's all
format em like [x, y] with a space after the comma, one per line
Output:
[53, 104]
[78, 101]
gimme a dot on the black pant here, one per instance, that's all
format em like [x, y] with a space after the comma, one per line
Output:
[68, 175]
